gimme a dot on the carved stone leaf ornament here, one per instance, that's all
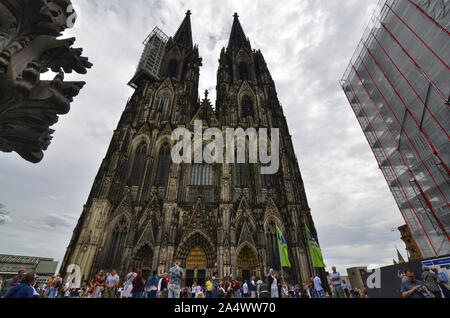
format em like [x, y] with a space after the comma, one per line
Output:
[29, 46]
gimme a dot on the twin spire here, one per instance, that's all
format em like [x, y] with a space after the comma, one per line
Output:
[184, 33]
[237, 36]
[183, 36]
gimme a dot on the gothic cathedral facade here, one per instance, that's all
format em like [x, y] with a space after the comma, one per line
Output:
[145, 211]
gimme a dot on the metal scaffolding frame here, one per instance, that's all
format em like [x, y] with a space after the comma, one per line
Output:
[398, 83]
[151, 59]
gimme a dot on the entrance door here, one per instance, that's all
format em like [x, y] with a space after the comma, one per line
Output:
[196, 267]
[201, 277]
[190, 276]
[246, 275]
[247, 262]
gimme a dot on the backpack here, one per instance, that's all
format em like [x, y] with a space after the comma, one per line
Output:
[57, 283]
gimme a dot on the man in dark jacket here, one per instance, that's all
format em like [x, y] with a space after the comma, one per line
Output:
[23, 290]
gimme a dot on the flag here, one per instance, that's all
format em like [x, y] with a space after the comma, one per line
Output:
[314, 247]
[283, 249]
[400, 258]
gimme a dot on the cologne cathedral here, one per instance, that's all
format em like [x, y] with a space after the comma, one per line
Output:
[145, 211]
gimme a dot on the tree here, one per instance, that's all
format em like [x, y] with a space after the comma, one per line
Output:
[3, 214]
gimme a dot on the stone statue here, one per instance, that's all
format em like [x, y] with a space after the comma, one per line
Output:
[29, 46]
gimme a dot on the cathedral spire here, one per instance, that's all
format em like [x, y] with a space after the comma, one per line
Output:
[237, 36]
[184, 34]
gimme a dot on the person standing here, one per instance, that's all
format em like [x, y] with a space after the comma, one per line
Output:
[227, 285]
[198, 291]
[273, 284]
[237, 289]
[280, 288]
[24, 289]
[18, 278]
[297, 290]
[319, 291]
[285, 291]
[138, 285]
[112, 283]
[442, 280]
[97, 285]
[346, 289]
[259, 284]
[152, 285]
[413, 288]
[47, 287]
[221, 293]
[208, 287]
[335, 277]
[252, 287]
[176, 274]
[245, 289]
[215, 285]
[55, 286]
[162, 286]
[431, 281]
[128, 286]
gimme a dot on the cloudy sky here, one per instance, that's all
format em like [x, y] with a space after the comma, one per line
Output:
[307, 45]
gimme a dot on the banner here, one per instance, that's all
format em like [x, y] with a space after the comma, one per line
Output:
[316, 253]
[283, 249]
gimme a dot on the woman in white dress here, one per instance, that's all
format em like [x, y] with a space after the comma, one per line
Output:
[128, 286]
[273, 280]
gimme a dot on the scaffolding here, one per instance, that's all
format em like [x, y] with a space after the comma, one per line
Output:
[398, 85]
[151, 59]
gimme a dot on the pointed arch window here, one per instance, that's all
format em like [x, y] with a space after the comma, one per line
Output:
[202, 175]
[118, 243]
[272, 246]
[172, 69]
[138, 170]
[243, 71]
[240, 175]
[163, 105]
[162, 174]
[247, 108]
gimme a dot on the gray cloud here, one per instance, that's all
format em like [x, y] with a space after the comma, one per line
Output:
[307, 45]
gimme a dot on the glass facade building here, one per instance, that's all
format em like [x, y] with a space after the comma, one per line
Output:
[398, 85]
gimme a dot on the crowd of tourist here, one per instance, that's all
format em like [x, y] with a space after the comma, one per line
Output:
[168, 285]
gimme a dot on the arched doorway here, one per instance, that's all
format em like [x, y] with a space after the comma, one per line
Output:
[198, 256]
[143, 261]
[247, 263]
[196, 267]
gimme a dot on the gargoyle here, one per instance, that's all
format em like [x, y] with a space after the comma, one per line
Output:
[29, 46]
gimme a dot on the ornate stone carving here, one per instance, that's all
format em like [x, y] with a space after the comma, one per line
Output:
[28, 47]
